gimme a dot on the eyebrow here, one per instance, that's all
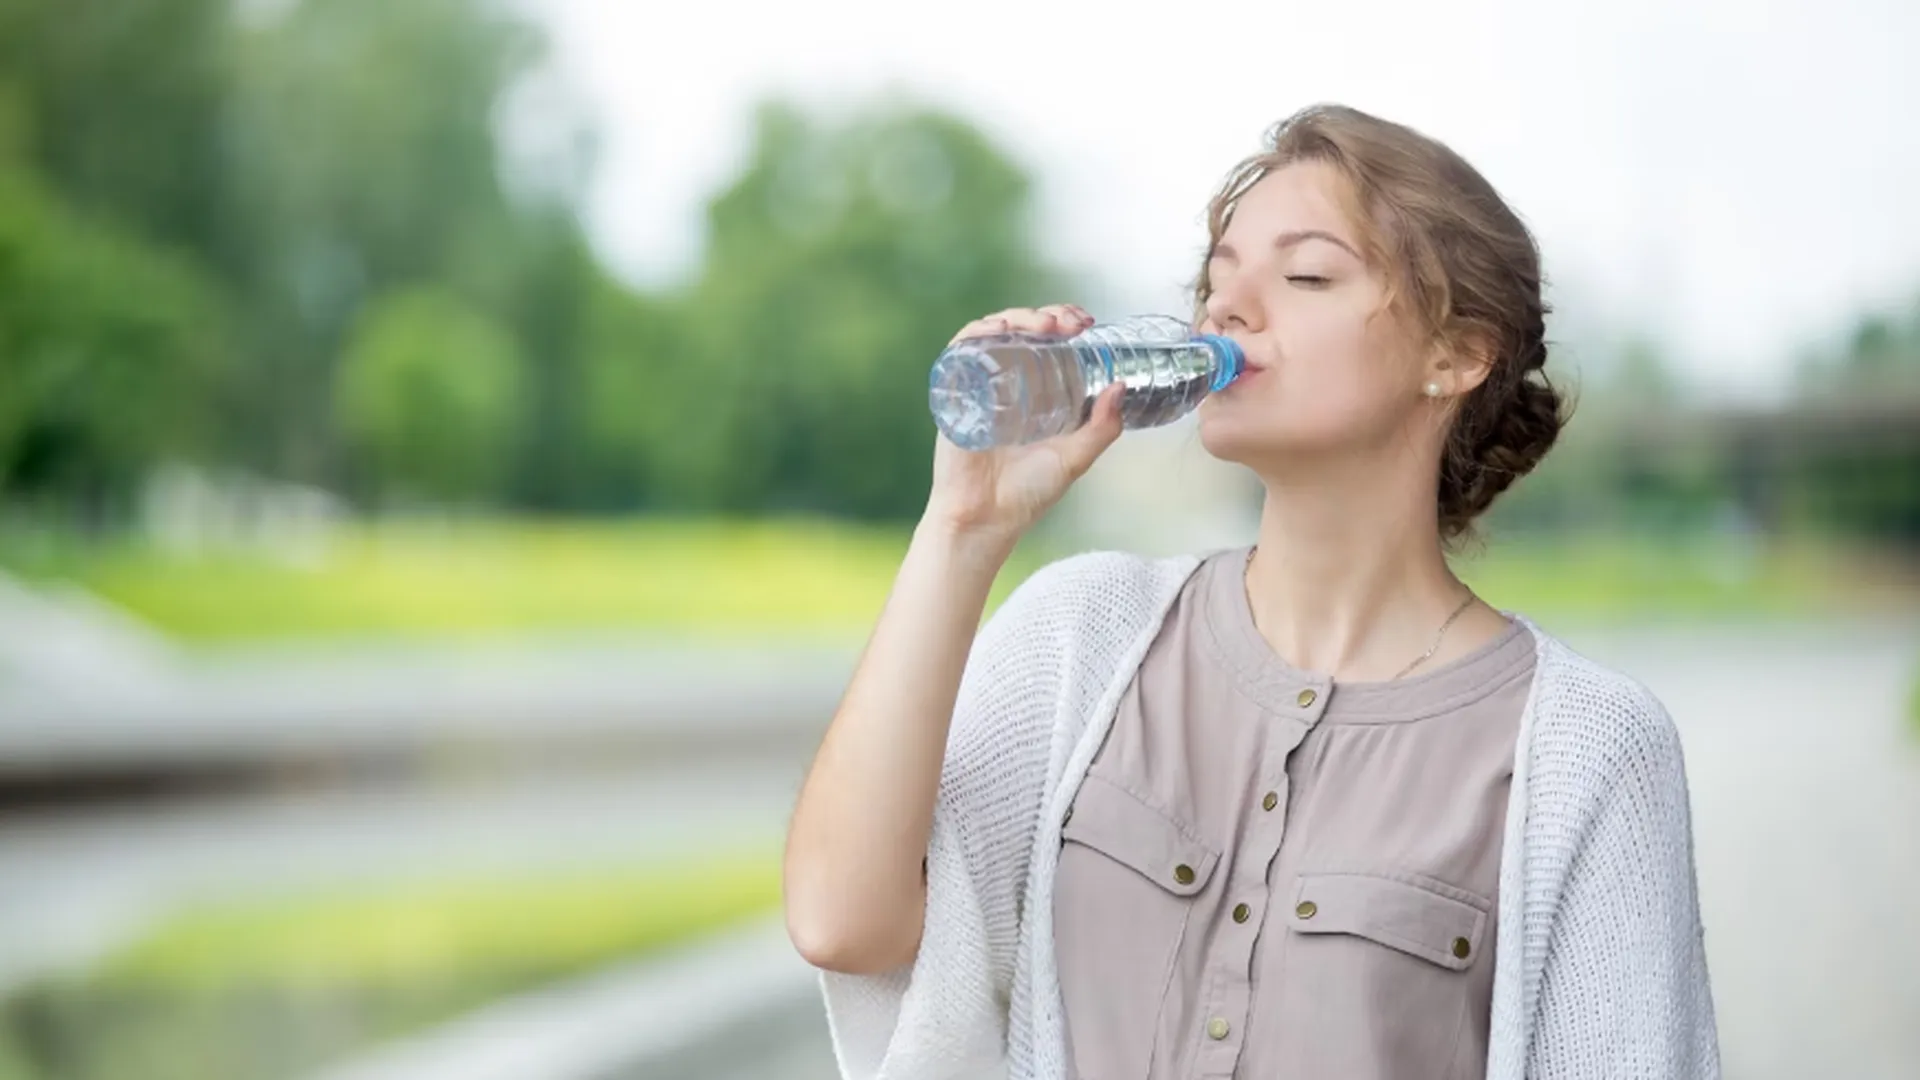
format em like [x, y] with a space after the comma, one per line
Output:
[1290, 239]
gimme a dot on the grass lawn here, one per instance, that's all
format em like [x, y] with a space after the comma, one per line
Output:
[448, 929]
[275, 988]
[1615, 577]
[684, 578]
[777, 578]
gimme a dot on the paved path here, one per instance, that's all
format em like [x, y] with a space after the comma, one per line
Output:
[735, 1004]
[71, 886]
[1806, 795]
[266, 704]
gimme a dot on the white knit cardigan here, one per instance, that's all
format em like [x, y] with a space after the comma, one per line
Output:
[1599, 963]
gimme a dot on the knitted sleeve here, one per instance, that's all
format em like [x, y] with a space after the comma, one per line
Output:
[945, 1015]
[1623, 992]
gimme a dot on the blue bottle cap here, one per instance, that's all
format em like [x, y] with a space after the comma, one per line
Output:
[1229, 360]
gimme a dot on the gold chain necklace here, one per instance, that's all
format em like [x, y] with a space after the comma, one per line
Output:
[1431, 649]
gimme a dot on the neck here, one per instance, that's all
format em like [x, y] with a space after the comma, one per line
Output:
[1349, 578]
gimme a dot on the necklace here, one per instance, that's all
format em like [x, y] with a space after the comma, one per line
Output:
[1431, 649]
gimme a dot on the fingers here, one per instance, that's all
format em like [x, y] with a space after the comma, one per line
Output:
[1082, 447]
[1061, 319]
[1065, 318]
[982, 327]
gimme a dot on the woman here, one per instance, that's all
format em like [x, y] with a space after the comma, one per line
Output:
[1307, 808]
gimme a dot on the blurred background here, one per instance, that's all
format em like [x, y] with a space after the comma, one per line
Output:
[451, 452]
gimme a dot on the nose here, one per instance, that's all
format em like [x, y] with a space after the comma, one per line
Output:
[1231, 307]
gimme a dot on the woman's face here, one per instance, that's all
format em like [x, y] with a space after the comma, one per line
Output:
[1329, 371]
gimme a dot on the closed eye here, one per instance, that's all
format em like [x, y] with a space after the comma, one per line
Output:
[1309, 281]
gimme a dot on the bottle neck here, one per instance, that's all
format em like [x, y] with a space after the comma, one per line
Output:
[1228, 360]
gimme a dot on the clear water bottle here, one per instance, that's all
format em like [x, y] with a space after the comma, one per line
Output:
[1010, 389]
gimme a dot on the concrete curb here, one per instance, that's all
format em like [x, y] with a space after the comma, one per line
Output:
[60, 633]
[255, 707]
[646, 1019]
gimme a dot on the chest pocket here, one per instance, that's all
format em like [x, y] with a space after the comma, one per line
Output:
[1376, 974]
[1125, 887]
[1425, 919]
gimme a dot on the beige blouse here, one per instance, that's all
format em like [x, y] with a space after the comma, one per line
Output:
[1268, 874]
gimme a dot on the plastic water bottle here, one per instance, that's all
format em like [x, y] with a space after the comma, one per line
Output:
[1010, 389]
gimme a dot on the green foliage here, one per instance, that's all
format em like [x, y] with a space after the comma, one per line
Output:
[1879, 355]
[327, 164]
[108, 348]
[839, 263]
[429, 392]
[120, 107]
[638, 382]
[368, 162]
[373, 153]
[1868, 484]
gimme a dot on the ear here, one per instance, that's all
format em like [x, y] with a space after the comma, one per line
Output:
[1462, 365]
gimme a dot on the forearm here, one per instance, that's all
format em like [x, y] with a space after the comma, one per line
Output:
[855, 895]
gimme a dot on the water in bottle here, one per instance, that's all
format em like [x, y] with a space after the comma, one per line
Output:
[1010, 389]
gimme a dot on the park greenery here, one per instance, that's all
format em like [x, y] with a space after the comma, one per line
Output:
[340, 246]
[299, 239]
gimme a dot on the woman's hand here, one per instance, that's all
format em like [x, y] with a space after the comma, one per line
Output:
[994, 496]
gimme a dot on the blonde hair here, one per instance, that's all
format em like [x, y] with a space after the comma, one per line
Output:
[1459, 262]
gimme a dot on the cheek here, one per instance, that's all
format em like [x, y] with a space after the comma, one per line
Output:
[1337, 382]
[1336, 359]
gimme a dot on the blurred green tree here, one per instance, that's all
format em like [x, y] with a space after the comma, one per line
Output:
[1862, 479]
[838, 264]
[312, 159]
[366, 159]
[313, 156]
[428, 396]
[121, 107]
[1879, 355]
[108, 350]
[650, 440]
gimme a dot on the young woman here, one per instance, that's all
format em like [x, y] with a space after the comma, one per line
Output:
[1307, 808]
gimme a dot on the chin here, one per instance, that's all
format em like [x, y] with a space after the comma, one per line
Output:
[1245, 438]
[1234, 439]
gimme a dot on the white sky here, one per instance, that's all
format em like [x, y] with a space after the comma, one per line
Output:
[1738, 178]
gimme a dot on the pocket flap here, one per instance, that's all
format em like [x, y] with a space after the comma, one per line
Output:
[1119, 824]
[1416, 915]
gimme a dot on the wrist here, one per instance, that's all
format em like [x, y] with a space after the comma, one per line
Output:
[968, 543]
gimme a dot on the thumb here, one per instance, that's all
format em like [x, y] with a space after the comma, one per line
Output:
[1084, 446]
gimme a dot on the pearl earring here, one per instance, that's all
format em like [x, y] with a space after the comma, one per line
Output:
[1433, 389]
